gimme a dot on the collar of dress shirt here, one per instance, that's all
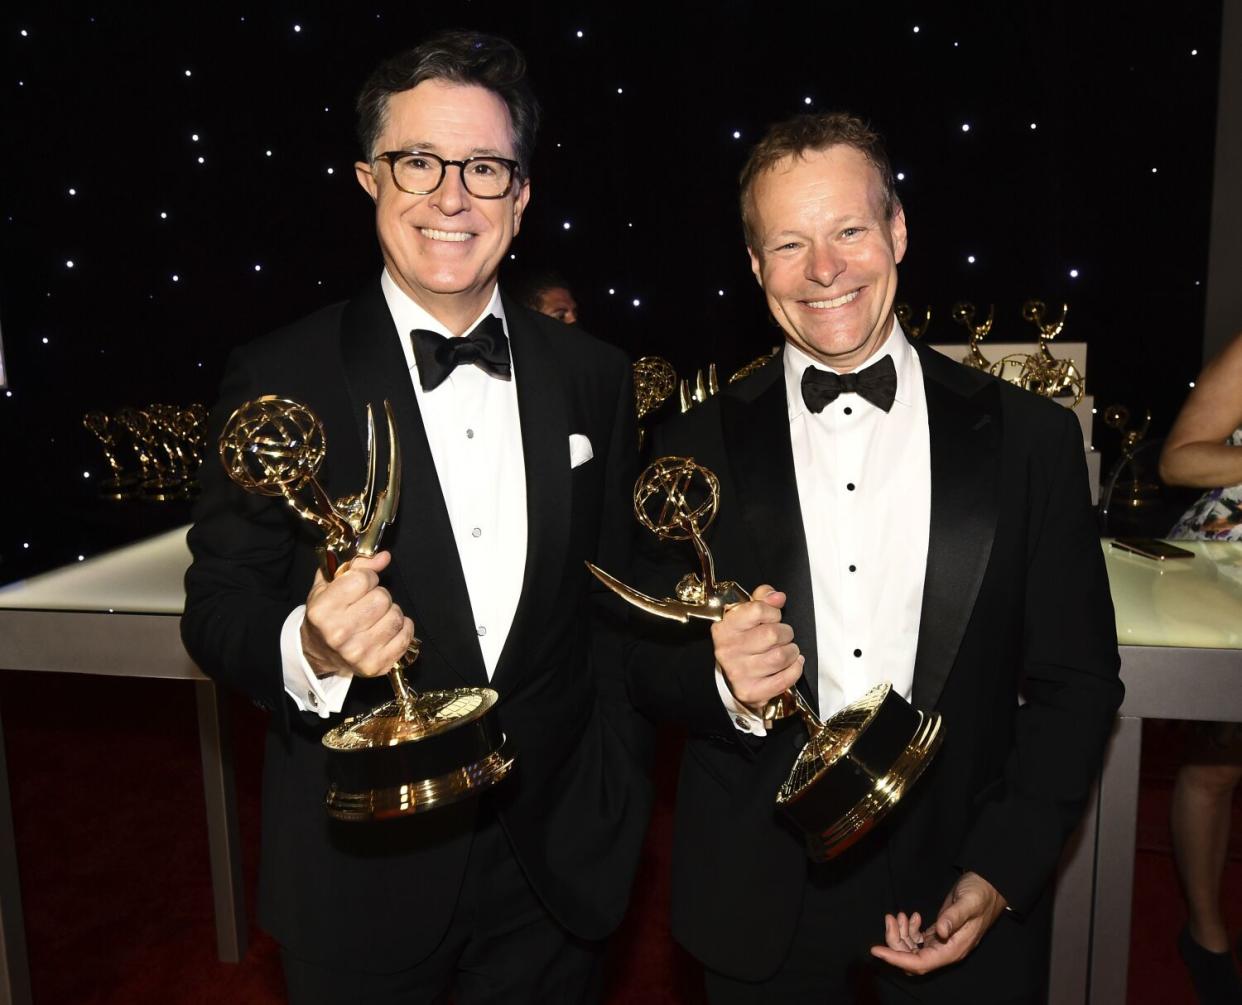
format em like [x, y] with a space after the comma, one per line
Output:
[407, 315]
[896, 345]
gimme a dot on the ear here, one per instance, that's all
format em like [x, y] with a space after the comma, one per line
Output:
[519, 206]
[897, 229]
[366, 178]
[756, 265]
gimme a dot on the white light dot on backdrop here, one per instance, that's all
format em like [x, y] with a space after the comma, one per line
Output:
[297, 27]
[45, 340]
[737, 134]
[565, 225]
[965, 127]
[720, 293]
[81, 558]
[1196, 282]
[68, 265]
[901, 176]
[579, 32]
[194, 137]
[558, 146]
[25, 544]
[512, 256]
[25, 33]
[86, 474]
[1034, 125]
[806, 100]
[8, 394]
[1194, 52]
[176, 278]
[331, 170]
[1073, 273]
[630, 225]
[620, 90]
[611, 291]
[916, 29]
[1192, 383]
[163, 215]
[1153, 170]
[970, 259]
[267, 153]
[73, 191]
[325, 108]
[637, 302]
[202, 160]
[189, 73]
[258, 268]
[954, 45]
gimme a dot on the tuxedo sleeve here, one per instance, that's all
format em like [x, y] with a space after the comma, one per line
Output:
[615, 552]
[237, 589]
[1070, 685]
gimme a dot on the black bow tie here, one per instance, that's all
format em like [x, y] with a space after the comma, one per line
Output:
[877, 383]
[438, 356]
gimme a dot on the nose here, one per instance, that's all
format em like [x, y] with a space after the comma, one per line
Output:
[451, 197]
[824, 264]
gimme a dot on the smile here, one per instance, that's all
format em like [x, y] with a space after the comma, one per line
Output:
[829, 304]
[445, 235]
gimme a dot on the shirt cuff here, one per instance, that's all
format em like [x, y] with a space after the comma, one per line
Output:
[321, 695]
[743, 718]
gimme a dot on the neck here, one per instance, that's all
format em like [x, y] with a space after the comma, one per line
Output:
[456, 311]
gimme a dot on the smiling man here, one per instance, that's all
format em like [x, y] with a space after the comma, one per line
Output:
[518, 437]
[911, 521]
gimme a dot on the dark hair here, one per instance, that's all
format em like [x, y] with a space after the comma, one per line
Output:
[803, 133]
[458, 57]
[527, 286]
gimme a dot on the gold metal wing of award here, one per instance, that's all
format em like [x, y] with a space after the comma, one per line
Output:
[857, 764]
[422, 749]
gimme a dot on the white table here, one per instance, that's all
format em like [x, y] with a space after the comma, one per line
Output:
[118, 615]
[1179, 623]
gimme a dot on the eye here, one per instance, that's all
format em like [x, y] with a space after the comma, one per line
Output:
[787, 246]
[418, 162]
[483, 169]
[853, 231]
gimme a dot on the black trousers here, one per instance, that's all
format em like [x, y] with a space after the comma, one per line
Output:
[501, 946]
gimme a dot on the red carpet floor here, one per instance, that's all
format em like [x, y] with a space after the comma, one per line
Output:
[108, 809]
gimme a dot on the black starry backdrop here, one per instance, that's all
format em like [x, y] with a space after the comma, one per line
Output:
[174, 184]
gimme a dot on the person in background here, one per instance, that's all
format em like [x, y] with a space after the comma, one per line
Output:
[545, 291]
[1204, 450]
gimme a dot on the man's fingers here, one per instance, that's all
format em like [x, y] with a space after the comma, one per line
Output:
[768, 595]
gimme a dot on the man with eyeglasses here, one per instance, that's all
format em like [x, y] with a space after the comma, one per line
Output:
[518, 441]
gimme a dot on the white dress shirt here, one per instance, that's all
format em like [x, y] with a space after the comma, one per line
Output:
[475, 435]
[864, 488]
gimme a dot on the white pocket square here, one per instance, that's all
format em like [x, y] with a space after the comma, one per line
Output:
[579, 450]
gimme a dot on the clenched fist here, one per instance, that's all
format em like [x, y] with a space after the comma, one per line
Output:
[352, 625]
[755, 650]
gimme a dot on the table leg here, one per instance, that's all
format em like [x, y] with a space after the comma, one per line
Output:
[14, 971]
[1114, 878]
[1071, 911]
[223, 837]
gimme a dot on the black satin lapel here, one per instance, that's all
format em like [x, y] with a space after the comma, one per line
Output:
[965, 431]
[543, 411]
[756, 434]
[425, 563]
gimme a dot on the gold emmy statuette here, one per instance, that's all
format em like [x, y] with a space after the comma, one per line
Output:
[654, 383]
[704, 387]
[906, 317]
[754, 366]
[1042, 372]
[857, 764]
[1127, 484]
[120, 484]
[964, 314]
[420, 750]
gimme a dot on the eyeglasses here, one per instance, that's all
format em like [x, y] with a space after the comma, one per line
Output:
[421, 173]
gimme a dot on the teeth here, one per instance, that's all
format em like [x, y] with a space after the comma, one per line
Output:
[445, 235]
[838, 302]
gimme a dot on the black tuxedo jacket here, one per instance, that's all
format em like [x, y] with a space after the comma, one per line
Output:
[576, 804]
[1015, 602]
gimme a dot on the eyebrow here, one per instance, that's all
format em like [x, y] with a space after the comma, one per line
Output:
[427, 147]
